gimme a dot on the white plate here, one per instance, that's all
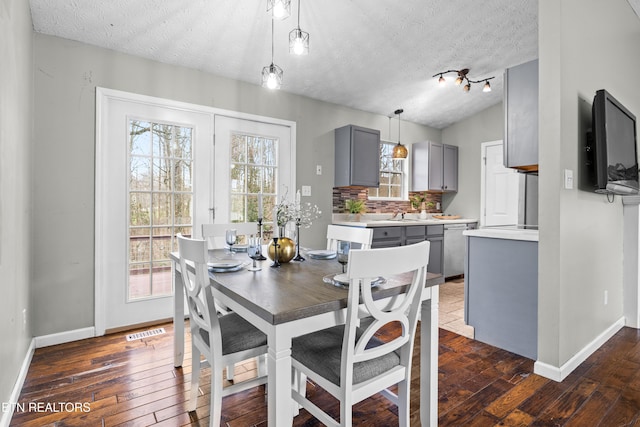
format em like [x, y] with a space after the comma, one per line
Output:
[227, 270]
[322, 254]
[341, 278]
[224, 264]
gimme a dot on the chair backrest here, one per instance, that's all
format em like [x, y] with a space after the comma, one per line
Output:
[365, 266]
[195, 279]
[214, 233]
[360, 235]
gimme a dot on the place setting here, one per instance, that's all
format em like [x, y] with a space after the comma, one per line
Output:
[341, 280]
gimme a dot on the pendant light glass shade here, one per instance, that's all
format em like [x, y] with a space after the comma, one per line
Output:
[272, 76]
[280, 9]
[298, 42]
[399, 151]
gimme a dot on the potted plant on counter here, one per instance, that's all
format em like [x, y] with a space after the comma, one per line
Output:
[419, 201]
[355, 207]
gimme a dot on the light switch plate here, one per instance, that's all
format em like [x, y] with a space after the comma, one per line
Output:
[568, 179]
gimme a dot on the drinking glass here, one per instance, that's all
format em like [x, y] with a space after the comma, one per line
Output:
[343, 253]
[231, 237]
[254, 250]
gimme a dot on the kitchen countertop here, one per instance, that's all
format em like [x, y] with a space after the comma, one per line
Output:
[504, 233]
[384, 220]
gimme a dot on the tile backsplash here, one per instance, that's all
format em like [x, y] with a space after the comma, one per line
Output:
[341, 194]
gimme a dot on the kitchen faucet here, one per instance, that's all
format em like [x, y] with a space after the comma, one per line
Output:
[398, 211]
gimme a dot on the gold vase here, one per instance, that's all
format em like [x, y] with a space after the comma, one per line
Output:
[286, 250]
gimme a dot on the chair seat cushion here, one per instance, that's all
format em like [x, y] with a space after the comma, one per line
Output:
[237, 334]
[322, 352]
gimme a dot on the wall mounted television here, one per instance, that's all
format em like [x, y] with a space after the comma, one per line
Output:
[611, 147]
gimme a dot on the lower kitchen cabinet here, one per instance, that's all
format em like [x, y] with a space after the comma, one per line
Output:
[384, 237]
[501, 293]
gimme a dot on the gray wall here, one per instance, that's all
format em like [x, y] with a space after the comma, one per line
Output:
[65, 80]
[468, 135]
[16, 111]
[583, 45]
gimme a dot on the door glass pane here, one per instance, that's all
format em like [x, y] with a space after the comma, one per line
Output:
[160, 203]
[253, 171]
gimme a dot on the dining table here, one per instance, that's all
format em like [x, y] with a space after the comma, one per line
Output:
[296, 298]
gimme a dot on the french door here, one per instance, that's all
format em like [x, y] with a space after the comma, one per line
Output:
[153, 180]
[256, 159]
[159, 172]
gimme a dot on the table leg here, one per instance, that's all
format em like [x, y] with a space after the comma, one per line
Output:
[178, 318]
[279, 382]
[429, 360]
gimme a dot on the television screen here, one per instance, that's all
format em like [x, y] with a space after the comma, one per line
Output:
[612, 147]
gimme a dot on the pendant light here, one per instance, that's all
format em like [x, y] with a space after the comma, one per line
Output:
[298, 39]
[280, 9]
[399, 151]
[272, 74]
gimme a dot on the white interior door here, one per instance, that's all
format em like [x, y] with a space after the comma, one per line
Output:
[499, 188]
[254, 159]
[153, 180]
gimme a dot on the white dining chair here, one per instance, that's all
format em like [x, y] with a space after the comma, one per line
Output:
[350, 362]
[214, 233]
[223, 340]
[360, 235]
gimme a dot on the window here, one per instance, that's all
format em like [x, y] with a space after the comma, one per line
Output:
[393, 176]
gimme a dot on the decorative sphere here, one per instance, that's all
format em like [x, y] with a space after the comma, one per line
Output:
[286, 250]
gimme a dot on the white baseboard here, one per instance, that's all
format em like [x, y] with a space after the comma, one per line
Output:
[560, 373]
[64, 337]
[5, 419]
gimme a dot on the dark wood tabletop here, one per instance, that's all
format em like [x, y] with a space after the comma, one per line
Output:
[296, 290]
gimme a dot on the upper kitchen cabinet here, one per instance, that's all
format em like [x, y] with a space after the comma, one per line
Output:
[434, 167]
[357, 157]
[521, 116]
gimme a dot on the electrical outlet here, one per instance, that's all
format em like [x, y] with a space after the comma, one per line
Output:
[306, 190]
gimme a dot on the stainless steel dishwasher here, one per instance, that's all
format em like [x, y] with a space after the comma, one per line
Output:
[454, 249]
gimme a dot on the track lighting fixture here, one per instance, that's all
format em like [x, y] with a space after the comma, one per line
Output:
[280, 9]
[462, 76]
[298, 39]
[399, 151]
[272, 74]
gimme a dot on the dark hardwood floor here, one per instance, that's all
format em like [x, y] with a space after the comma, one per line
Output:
[112, 382]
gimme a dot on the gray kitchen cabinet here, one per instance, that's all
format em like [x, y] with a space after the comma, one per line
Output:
[501, 293]
[434, 167]
[357, 157]
[521, 116]
[384, 237]
[435, 235]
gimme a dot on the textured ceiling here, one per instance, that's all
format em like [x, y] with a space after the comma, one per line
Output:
[375, 56]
